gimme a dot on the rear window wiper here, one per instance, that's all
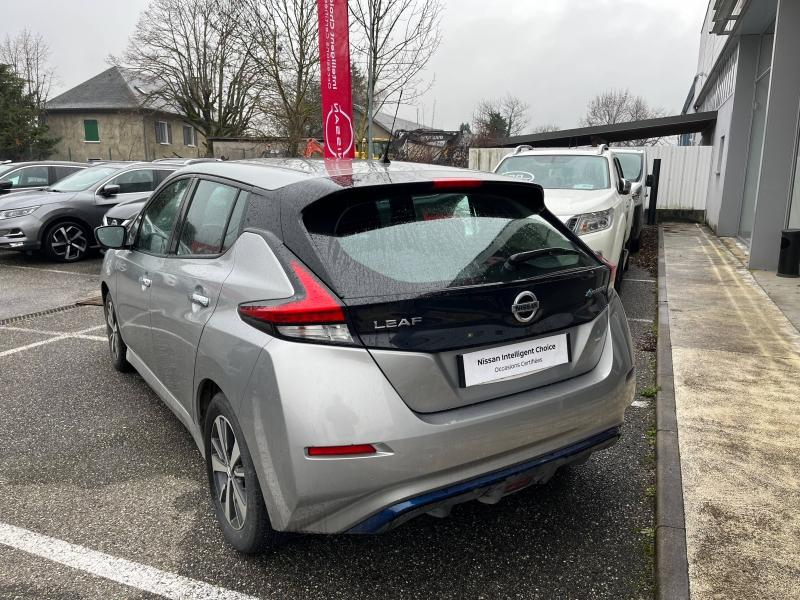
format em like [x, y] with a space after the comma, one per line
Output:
[522, 257]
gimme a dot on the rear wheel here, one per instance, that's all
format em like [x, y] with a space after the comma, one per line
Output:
[66, 241]
[235, 490]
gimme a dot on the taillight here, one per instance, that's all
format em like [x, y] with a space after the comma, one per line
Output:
[315, 316]
[451, 183]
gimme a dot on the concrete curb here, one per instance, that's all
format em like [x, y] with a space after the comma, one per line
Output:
[672, 565]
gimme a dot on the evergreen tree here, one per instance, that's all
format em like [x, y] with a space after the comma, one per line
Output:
[22, 134]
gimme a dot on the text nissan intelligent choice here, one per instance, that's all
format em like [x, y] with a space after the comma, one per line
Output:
[352, 349]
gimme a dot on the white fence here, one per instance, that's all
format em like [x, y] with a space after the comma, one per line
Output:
[685, 172]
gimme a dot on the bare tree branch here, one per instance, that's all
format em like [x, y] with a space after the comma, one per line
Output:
[620, 106]
[28, 55]
[192, 58]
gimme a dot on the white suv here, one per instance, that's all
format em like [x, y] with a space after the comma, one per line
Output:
[585, 188]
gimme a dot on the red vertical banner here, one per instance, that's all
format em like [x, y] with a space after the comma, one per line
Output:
[337, 96]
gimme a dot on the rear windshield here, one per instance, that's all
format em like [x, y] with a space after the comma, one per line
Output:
[559, 171]
[411, 244]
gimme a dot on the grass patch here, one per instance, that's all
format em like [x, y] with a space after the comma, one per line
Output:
[650, 491]
[650, 391]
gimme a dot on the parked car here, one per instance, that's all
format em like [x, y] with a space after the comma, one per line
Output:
[351, 350]
[35, 174]
[585, 188]
[634, 169]
[124, 212]
[60, 220]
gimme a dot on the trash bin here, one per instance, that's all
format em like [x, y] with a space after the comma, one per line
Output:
[789, 260]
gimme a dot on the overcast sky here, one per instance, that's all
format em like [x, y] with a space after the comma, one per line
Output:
[554, 54]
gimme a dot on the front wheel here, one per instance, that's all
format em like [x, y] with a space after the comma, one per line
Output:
[116, 345]
[235, 490]
[66, 241]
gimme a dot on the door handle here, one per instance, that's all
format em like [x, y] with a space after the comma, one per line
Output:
[199, 299]
[146, 282]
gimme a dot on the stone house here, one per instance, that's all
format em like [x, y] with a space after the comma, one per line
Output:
[112, 117]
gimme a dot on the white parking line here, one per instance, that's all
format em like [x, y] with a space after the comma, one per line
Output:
[135, 575]
[56, 338]
[44, 270]
[640, 280]
[641, 320]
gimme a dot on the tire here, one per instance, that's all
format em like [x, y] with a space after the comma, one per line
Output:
[246, 526]
[66, 241]
[116, 345]
[634, 245]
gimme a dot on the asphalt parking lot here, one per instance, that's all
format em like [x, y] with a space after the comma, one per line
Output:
[100, 484]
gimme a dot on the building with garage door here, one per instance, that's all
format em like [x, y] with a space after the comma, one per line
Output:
[748, 73]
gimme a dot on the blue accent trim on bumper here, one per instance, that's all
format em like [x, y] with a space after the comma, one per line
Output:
[379, 521]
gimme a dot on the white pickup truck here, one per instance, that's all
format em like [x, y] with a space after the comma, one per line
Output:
[584, 188]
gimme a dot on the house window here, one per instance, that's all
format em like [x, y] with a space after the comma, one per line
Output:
[189, 138]
[720, 152]
[91, 132]
[163, 132]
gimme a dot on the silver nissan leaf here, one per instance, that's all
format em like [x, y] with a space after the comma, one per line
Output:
[353, 346]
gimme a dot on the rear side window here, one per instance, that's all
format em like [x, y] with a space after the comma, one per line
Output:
[410, 244]
[62, 172]
[206, 222]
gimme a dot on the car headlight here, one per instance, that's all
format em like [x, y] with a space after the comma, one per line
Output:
[586, 223]
[13, 213]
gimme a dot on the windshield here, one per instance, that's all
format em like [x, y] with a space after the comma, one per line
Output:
[559, 171]
[82, 180]
[410, 244]
[631, 165]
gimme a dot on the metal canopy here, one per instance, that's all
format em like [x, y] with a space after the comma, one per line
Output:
[619, 132]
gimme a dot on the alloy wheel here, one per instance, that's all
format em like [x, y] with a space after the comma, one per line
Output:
[228, 470]
[68, 242]
[112, 328]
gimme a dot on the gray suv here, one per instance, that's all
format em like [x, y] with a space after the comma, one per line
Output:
[60, 220]
[351, 349]
[35, 174]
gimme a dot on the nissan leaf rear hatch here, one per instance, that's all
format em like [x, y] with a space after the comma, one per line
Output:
[463, 291]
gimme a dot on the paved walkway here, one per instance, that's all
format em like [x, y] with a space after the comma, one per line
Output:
[736, 361]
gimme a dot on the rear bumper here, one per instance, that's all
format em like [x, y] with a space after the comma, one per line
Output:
[492, 485]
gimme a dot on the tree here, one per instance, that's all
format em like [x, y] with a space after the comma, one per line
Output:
[28, 55]
[620, 106]
[394, 40]
[22, 135]
[546, 128]
[194, 59]
[285, 51]
[500, 118]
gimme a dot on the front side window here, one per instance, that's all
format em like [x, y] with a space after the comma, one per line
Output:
[163, 132]
[131, 182]
[27, 177]
[159, 217]
[91, 131]
[631, 166]
[206, 222]
[412, 244]
[559, 171]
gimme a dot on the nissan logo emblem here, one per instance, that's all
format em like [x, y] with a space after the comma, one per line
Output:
[525, 307]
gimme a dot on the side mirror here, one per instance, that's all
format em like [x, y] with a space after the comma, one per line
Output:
[649, 180]
[109, 190]
[5, 185]
[624, 187]
[111, 236]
